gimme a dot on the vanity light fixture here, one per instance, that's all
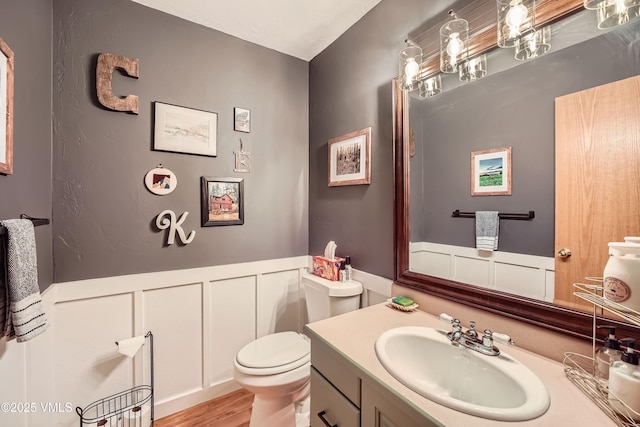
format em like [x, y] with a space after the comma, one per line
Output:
[534, 44]
[454, 38]
[515, 20]
[613, 13]
[410, 60]
[430, 87]
[473, 69]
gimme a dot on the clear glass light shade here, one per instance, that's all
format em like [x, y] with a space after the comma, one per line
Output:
[515, 20]
[430, 87]
[591, 4]
[410, 59]
[613, 13]
[534, 44]
[454, 37]
[473, 69]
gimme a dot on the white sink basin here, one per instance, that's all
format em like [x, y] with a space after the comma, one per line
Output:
[494, 387]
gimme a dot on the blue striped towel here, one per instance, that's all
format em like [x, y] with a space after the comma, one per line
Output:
[487, 226]
[21, 313]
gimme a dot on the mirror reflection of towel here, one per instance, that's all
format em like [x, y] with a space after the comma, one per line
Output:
[487, 226]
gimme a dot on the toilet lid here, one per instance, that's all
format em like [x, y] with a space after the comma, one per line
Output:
[273, 350]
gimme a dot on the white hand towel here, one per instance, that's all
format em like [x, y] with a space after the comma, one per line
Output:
[487, 226]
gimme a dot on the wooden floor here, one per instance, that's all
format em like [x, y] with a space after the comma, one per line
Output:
[231, 410]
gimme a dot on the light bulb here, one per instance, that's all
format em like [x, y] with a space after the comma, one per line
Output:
[411, 69]
[455, 45]
[516, 15]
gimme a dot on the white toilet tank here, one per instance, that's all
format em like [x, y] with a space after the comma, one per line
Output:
[326, 298]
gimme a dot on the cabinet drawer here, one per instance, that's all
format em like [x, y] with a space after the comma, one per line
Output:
[330, 404]
[335, 370]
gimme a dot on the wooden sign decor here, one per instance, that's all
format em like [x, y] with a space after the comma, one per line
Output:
[107, 64]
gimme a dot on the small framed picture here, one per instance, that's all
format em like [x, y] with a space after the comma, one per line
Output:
[491, 172]
[222, 201]
[161, 181]
[350, 159]
[185, 130]
[241, 119]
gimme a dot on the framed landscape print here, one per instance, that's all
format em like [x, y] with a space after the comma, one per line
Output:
[491, 172]
[185, 130]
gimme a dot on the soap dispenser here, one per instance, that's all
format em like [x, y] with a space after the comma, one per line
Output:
[624, 382]
[606, 355]
[348, 269]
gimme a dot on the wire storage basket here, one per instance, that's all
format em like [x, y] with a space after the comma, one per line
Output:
[580, 369]
[130, 408]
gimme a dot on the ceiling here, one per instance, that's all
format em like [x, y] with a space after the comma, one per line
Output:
[300, 28]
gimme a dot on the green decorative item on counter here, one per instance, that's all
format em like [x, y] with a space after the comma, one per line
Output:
[403, 301]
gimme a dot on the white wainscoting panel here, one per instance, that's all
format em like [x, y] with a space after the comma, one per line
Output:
[87, 363]
[279, 302]
[525, 275]
[13, 355]
[232, 323]
[520, 280]
[174, 316]
[472, 270]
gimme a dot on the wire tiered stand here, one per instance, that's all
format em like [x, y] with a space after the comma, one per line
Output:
[122, 409]
[580, 369]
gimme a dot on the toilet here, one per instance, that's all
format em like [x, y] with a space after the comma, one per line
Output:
[276, 368]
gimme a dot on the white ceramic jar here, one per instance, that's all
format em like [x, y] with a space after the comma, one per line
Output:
[622, 275]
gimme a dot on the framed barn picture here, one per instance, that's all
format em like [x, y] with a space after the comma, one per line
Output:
[222, 201]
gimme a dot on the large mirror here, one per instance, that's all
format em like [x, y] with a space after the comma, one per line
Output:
[513, 106]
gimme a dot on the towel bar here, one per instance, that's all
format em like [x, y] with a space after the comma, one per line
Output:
[36, 222]
[527, 216]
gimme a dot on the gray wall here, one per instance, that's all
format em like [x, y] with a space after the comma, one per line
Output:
[512, 108]
[351, 89]
[26, 27]
[103, 214]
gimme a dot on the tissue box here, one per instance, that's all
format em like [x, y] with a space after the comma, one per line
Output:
[327, 268]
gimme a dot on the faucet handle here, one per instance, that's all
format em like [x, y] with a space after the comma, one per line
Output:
[446, 317]
[456, 325]
[504, 338]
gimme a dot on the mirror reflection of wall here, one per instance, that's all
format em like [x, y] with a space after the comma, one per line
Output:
[512, 108]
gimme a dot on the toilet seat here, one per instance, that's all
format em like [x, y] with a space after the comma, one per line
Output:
[274, 354]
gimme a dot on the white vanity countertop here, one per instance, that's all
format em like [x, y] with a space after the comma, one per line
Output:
[354, 335]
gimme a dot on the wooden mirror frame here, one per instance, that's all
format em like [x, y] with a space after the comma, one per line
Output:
[554, 317]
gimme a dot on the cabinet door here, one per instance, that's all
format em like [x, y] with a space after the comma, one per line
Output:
[329, 406]
[379, 411]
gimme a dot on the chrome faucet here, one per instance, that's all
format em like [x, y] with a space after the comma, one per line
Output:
[472, 340]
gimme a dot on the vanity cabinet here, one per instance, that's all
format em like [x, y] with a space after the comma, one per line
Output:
[329, 405]
[343, 396]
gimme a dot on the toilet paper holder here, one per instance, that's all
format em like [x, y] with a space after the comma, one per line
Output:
[131, 407]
